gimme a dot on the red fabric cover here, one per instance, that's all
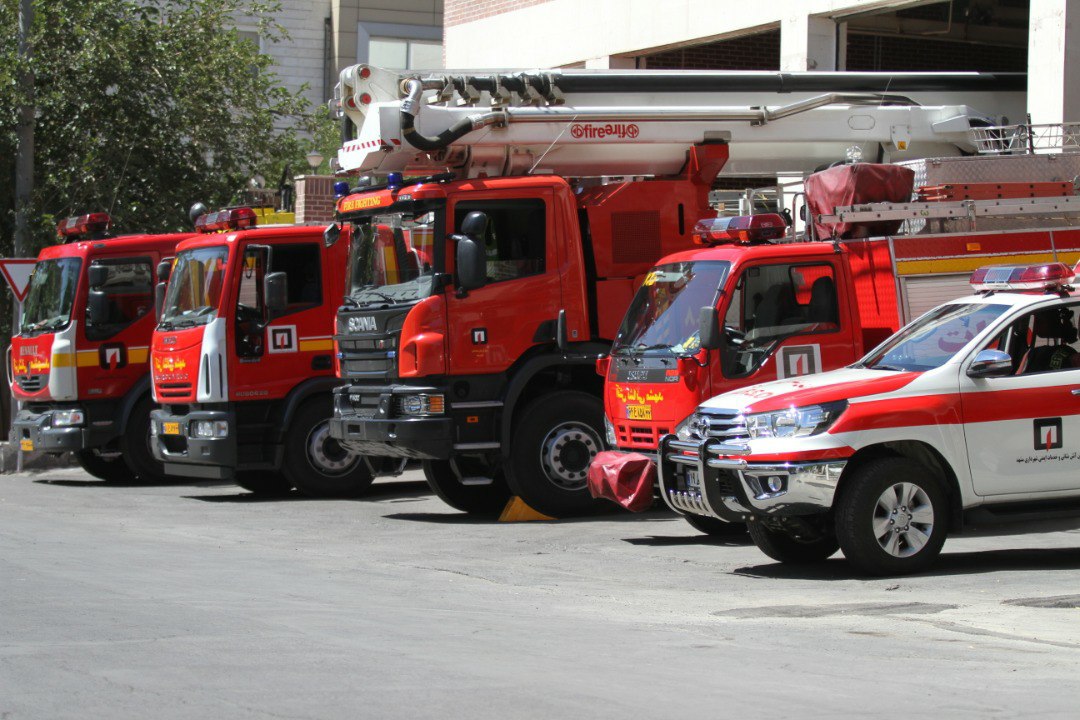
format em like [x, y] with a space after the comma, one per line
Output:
[854, 185]
[623, 478]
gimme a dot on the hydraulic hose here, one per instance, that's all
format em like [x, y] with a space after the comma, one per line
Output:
[409, 107]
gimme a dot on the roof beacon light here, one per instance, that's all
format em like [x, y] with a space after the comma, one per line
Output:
[341, 189]
[82, 225]
[1048, 276]
[394, 180]
[742, 229]
[232, 219]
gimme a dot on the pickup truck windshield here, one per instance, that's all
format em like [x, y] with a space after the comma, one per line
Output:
[50, 296]
[933, 339]
[195, 287]
[392, 259]
[665, 312]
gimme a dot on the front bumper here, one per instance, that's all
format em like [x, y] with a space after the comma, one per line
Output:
[35, 432]
[366, 422]
[188, 456]
[716, 480]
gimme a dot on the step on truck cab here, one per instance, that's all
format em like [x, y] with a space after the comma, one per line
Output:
[242, 359]
[80, 357]
[962, 419]
[778, 310]
[481, 296]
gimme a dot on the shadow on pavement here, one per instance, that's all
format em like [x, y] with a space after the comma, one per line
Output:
[450, 517]
[189, 482]
[676, 540]
[960, 563]
[394, 491]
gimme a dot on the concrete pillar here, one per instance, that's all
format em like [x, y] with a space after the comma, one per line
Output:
[611, 62]
[1054, 61]
[807, 42]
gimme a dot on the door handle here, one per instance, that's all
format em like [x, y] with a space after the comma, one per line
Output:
[1076, 391]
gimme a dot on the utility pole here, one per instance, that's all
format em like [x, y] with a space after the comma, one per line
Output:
[24, 155]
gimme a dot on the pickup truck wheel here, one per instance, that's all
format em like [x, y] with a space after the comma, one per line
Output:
[785, 547]
[264, 483]
[555, 439]
[135, 445]
[315, 463]
[107, 469]
[714, 527]
[474, 499]
[892, 517]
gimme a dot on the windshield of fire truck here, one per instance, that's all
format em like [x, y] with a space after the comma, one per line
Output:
[392, 259]
[195, 286]
[664, 314]
[50, 296]
[933, 339]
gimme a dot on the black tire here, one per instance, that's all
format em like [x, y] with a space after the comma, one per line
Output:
[868, 531]
[786, 548]
[315, 463]
[264, 483]
[714, 527]
[554, 439]
[107, 469]
[473, 499]
[135, 445]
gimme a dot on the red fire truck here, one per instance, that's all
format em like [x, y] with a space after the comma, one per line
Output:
[80, 359]
[745, 310]
[480, 295]
[242, 359]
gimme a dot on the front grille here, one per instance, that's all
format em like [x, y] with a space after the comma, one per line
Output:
[351, 344]
[724, 425]
[174, 390]
[31, 383]
[639, 435]
[366, 367]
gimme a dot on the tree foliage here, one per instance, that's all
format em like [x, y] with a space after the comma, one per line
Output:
[143, 108]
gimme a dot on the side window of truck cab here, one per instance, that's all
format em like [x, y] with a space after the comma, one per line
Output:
[774, 302]
[128, 295]
[1043, 341]
[301, 263]
[515, 241]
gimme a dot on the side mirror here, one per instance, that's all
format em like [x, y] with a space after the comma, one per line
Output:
[275, 294]
[471, 263]
[709, 329]
[97, 307]
[159, 300]
[991, 363]
[331, 235]
[164, 270]
[97, 275]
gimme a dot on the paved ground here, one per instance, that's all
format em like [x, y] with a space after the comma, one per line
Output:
[199, 601]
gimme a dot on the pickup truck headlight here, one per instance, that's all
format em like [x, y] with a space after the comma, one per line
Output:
[68, 418]
[794, 422]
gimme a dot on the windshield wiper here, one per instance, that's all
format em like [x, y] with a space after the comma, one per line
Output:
[885, 367]
[379, 294]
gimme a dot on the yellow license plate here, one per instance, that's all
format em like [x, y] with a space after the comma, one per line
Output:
[638, 412]
[170, 428]
[26, 445]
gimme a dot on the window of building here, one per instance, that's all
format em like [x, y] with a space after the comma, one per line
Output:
[396, 46]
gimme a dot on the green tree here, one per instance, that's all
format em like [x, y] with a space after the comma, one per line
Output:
[143, 108]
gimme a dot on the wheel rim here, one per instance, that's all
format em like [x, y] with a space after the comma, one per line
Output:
[903, 519]
[326, 455]
[566, 452]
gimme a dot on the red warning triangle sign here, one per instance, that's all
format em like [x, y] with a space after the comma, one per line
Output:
[16, 272]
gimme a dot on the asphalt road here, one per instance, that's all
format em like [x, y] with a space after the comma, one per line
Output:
[200, 601]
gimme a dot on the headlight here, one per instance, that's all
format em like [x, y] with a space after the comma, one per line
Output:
[68, 418]
[684, 430]
[794, 422]
[421, 405]
[210, 428]
[609, 434]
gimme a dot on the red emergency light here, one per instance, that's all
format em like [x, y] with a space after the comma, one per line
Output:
[1047, 276]
[82, 225]
[741, 229]
[222, 220]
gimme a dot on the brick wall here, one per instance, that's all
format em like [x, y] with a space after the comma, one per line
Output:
[882, 52]
[314, 198]
[456, 12]
[751, 52]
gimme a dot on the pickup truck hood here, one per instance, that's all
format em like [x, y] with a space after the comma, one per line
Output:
[842, 384]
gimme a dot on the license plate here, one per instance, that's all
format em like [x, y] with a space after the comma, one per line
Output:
[693, 481]
[26, 445]
[170, 428]
[638, 412]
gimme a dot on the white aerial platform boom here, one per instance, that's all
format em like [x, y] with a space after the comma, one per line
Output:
[618, 123]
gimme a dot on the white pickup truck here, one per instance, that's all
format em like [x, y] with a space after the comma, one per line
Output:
[969, 415]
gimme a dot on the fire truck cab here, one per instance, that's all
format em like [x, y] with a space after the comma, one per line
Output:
[242, 359]
[79, 360]
[963, 418]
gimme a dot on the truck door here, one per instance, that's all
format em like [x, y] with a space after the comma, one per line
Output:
[273, 356]
[117, 336]
[782, 320]
[494, 325]
[1022, 431]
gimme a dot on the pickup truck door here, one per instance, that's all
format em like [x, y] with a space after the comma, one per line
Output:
[1023, 431]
